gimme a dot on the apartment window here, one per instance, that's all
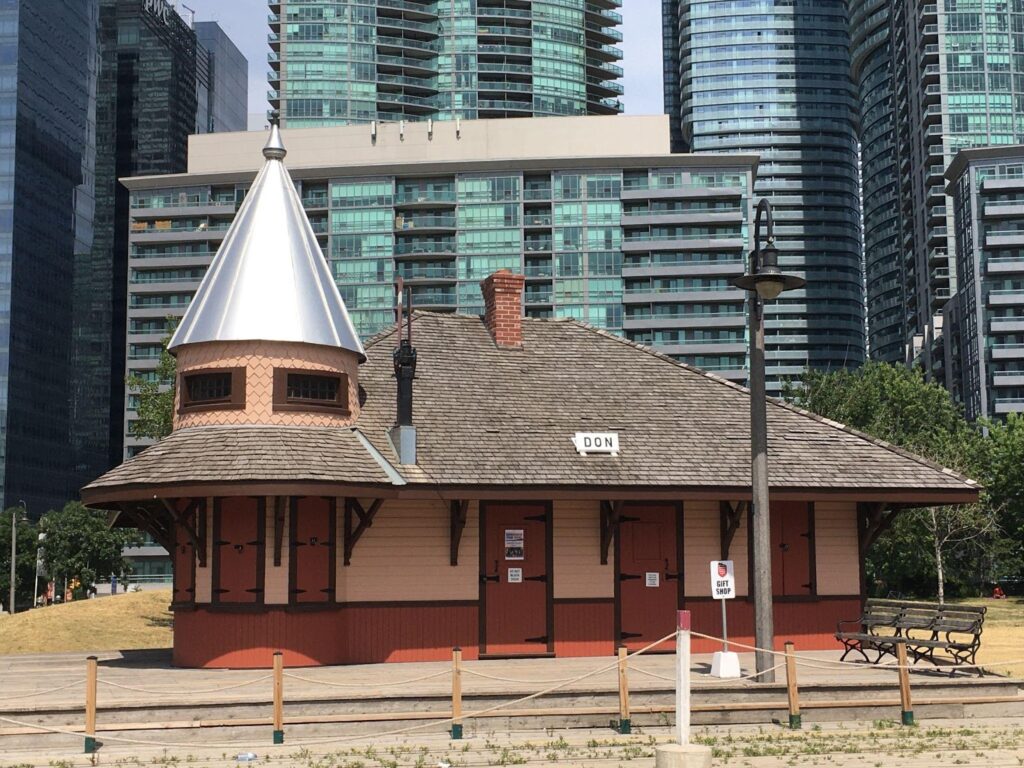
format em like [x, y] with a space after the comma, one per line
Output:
[212, 390]
[301, 390]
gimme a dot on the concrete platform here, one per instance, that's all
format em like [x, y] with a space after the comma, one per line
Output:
[141, 697]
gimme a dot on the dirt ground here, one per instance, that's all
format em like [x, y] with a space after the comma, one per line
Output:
[993, 743]
[1002, 637]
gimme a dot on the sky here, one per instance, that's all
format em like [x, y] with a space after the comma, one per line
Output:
[245, 22]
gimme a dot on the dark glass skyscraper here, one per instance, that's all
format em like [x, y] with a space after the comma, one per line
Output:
[335, 62]
[773, 78]
[147, 108]
[224, 81]
[47, 144]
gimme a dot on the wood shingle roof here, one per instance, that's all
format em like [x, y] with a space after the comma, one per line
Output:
[503, 418]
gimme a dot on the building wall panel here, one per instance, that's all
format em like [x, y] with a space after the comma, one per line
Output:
[702, 543]
[836, 550]
[405, 555]
[810, 624]
[578, 572]
[277, 576]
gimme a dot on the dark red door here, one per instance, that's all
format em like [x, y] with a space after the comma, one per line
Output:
[649, 573]
[238, 549]
[312, 550]
[791, 548]
[514, 572]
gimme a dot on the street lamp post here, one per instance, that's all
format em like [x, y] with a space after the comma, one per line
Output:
[14, 556]
[39, 559]
[14, 550]
[764, 282]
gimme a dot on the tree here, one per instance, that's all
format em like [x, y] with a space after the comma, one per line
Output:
[1005, 485]
[25, 566]
[80, 544]
[156, 400]
[896, 404]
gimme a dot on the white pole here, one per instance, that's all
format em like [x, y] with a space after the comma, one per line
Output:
[725, 629]
[683, 677]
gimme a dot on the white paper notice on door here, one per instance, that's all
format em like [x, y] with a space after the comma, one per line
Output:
[515, 575]
[652, 579]
[515, 544]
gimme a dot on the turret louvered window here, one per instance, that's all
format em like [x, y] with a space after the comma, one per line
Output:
[303, 390]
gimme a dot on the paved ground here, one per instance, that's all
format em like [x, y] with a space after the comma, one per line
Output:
[993, 743]
[131, 675]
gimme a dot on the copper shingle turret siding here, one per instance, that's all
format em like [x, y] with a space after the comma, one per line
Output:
[260, 359]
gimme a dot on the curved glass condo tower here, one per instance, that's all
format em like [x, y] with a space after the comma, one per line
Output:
[772, 78]
[335, 62]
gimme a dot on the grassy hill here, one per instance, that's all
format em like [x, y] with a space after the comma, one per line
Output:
[135, 620]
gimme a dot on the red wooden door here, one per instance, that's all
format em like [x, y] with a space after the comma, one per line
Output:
[312, 538]
[514, 576]
[238, 549]
[647, 550]
[791, 548]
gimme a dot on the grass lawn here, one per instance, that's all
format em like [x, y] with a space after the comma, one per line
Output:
[1002, 638]
[135, 620]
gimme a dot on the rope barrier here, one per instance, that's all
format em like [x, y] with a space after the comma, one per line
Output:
[467, 671]
[41, 693]
[858, 664]
[179, 691]
[333, 684]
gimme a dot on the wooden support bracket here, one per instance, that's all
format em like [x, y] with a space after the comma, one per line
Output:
[874, 519]
[611, 513]
[731, 516]
[459, 512]
[353, 510]
[150, 522]
[279, 526]
[187, 520]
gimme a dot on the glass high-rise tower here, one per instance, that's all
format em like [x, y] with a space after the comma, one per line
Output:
[772, 78]
[934, 78]
[148, 106]
[47, 157]
[336, 62]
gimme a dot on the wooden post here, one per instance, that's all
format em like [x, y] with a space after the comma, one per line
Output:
[791, 688]
[278, 697]
[456, 693]
[906, 705]
[624, 724]
[90, 705]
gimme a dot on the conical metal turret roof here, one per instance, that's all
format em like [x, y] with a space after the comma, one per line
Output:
[269, 280]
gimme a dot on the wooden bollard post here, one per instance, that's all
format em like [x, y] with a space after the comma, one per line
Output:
[278, 697]
[791, 688]
[906, 705]
[456, 693]
[624, 724]
[90, 705]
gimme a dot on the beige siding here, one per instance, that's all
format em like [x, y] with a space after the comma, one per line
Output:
[204, 576]
[702, 542]
[835, 547]
[404, 555]
[577, 552]
[276, 577]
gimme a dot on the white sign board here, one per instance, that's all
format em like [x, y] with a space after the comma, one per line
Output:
[596, 442]
[515, 575]
[652, 579]
[515, 544]
[723, 580]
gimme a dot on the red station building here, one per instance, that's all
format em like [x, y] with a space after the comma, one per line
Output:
[511, 486]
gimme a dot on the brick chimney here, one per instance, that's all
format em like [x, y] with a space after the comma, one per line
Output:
[503, 308]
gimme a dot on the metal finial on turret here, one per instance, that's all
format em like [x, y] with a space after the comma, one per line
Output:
[274, 150]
